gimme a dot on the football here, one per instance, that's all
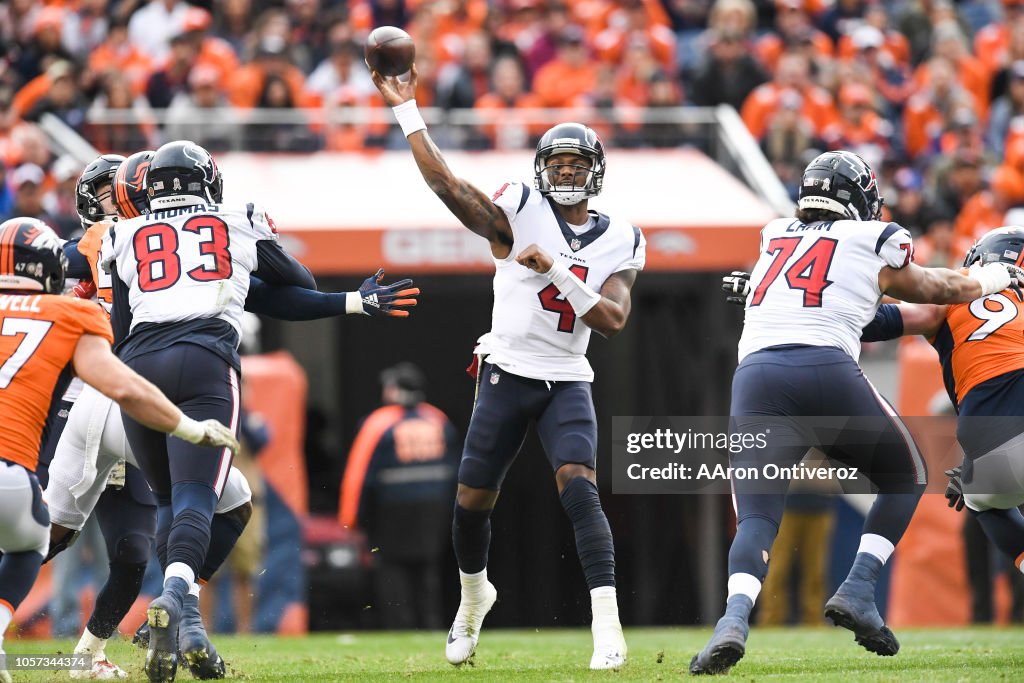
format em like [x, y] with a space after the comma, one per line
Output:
[389, 50]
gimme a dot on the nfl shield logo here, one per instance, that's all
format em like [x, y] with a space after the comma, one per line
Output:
[495, 377]
[575, 244]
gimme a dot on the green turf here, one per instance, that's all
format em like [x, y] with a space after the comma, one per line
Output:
[825, 654]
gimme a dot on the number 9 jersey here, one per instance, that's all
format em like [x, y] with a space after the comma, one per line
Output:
[190, 262]
[816, 284]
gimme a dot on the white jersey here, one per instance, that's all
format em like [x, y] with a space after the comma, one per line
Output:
[817, 284]
[190, 262]
[534, 331]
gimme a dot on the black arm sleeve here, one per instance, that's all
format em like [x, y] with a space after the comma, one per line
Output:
[78, 265]
[292, 303]
[888, 324]
[275, 266]
[121, 313]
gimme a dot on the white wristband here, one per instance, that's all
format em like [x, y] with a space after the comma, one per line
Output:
[354, 303]
[581, 297]
[408, 115]
[189, 430]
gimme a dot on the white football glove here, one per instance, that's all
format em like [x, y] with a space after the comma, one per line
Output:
[206, 433]
[993, 277]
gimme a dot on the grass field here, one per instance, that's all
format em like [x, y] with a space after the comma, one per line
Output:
[826, 654]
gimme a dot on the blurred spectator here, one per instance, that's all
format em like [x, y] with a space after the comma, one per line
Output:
[859, 128]
[1014, 52]
[930, 108]
[307, 34]
[962, 132]
[789, 134]
[6, 194]
[536, 31]
[233, 23]
[61, 202]
[460, 84]
[202, 114]
[344, 68]
[875, 31]
[172, 78]
[509, 93]
[214, 52]
[661, 93]
[991, 42]
[956, 182]
[917, 19]
[609, 110]
[842, 17]
[45, 47]
[729, 75]
[249, 84]
[867, 56]
[152, 27]
[27, 181]
[84, 28]
[368, 14]
[906, 204]
[398, 486]
[282, 136]
[64, 99]
[569, 75]
[936, 248]
[123, 137]
[792, 28]
[987, 209]
[612, 43]
[17, 20]
[118, 55]
[951, 44]
[638, 69]
[793, 73]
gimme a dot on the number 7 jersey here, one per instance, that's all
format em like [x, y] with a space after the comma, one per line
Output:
[191, 262]
[817, 284]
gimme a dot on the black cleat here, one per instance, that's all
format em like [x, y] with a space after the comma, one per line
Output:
[195, 646]
[728, 643]
[163, 615]
[141, 637]
[859, 614]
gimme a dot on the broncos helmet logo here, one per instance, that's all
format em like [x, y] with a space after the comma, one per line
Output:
[139, 176]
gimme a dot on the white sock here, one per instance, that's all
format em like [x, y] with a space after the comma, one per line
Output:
[744, 584]
[472, 583]
[181, 571]
[91, 644]
[876, 545]
[196, 587]
[604, 605]
[5, 620]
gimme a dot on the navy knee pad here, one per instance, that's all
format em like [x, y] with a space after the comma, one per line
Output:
[132, 548]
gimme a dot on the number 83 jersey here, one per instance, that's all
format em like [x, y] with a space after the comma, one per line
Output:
[534, 331]
[817, 284]
[191, 262]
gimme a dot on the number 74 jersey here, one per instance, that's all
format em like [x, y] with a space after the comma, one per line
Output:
[190, 262]
[817, 283]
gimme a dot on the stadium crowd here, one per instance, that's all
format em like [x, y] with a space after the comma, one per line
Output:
[930, 92]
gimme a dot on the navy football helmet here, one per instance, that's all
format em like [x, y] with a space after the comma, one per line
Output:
[569, 138]
[87, 198]
[182, 168]
[1002, 245]
[843, 183]
[31, 256]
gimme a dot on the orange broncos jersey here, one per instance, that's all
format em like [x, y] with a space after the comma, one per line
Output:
[987, 339]
[89, 246]
[38, 336]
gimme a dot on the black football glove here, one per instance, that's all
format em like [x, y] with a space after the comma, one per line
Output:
[955, 489]
[737, 285]
[378, 299]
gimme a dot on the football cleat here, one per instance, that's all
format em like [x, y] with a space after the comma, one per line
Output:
[465, 630]
[195, 646]
[853, 607]
[163, 616]
[141, 637]
[728, 643]
[609, 648]
[102, 670]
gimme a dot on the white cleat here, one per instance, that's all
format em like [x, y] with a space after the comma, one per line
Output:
[465, 630]
[609, 648]
[102, 670]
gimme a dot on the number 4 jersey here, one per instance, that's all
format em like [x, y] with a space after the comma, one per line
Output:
[534, 331]
[817, 283]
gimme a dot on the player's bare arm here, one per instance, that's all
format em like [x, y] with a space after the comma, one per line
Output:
[915, 284]
[923, 319]
[608, 314]
[472, 207]
[141, 400]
